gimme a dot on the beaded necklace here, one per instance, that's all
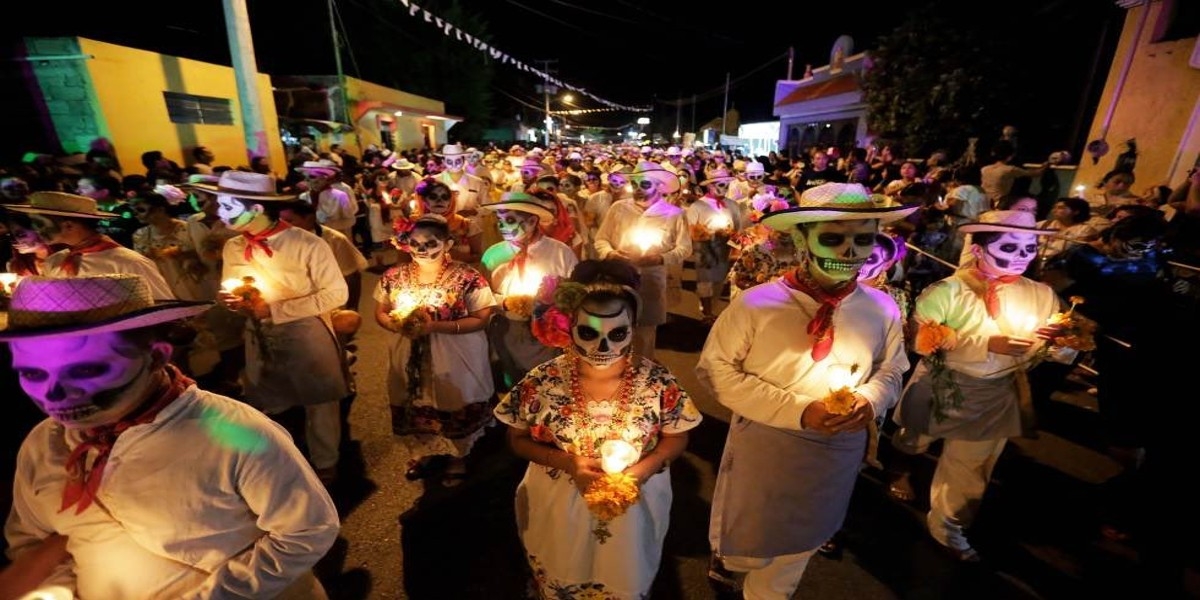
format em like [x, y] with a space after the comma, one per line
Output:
[587, 433]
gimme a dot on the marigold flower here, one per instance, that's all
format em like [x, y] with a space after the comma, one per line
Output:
[932, 337]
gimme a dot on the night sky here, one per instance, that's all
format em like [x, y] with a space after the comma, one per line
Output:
[630, 52]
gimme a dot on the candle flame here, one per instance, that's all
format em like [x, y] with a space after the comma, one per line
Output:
[231, 284]
[617, 455]
[646, 238]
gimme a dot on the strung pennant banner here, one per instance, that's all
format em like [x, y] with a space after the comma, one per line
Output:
[449, 29]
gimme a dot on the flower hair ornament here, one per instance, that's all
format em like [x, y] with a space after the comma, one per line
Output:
[403, 227]
[557, 301]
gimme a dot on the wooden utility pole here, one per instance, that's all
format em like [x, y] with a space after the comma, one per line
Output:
[245, 69]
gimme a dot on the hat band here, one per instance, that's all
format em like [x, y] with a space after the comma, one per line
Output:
[228, 191]
[30, 319]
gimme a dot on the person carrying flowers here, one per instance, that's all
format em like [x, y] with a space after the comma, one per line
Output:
[600, 426]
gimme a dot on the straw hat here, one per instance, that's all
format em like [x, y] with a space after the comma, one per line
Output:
[452, 150]
[319, 168]
[245, 185]
[52, 306]
[61, 204]
[1006, 221]
[836, 202]
[655, 171]
[544, 208]
[717, 175]
[404, 164]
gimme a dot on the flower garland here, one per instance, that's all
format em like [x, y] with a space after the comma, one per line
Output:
[932, 342]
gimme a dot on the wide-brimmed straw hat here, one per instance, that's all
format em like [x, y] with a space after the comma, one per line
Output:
[319, 168]
[544, 208]
[718, 175]
[246, 185]
[452, 150]
[60, 204]
[836, 202]
[403, 164]
[1005, 221]
[655, 171]
[68, 306]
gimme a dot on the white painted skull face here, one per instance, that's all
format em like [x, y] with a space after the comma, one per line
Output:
[233, 212]
[426, 247]
[603, 332]
[1009, 254]
[838, 249]
[516, 226]
[455, 163]
[881, 259]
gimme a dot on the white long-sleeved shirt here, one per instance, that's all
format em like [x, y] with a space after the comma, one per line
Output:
[758, 357]
[113, 260]
[210, 500]
[335, 208]
[625, 217]
[546, 257]
[301, 279]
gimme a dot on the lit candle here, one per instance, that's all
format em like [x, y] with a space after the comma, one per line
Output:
[720, 222]
[1079, 190]
[646, 238]
[1023, 324]
[8, 281]
[527, 285]
[231, 284]
[617, 455]
[403, 304]
[840, 376]
[53, 592]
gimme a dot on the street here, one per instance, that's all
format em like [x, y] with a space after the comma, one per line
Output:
[1037, 531]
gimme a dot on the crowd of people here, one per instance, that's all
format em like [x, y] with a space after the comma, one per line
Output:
[191, 334]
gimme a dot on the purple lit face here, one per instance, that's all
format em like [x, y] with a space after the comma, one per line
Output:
[516, 226]
[1010, 254]
[25, 241]
[235, 213]
[838, 249]
[89, 380]
[881, 259]
[455, 163]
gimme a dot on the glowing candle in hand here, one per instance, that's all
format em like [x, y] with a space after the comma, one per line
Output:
[719, 223]
[646, 238]
[840, 376]
[527, 284]
[8, 281]
[403, 304]
[617, 455]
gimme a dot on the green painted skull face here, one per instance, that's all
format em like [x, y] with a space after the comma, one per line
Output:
[838, 249]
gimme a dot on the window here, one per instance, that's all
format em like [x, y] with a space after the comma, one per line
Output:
[188, 108]
[1178, 20]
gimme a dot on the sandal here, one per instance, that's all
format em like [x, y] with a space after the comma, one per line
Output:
[419, 468]
[901, 491]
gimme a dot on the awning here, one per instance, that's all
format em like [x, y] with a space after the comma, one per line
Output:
[833, 86]
[320, 125]
[362, 107]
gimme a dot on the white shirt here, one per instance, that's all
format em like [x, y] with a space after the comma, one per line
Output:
[210, 500]
[334, 208]
[349, 259]
[547, 256]
[758, 357]
[473, 191]
[301, 279]
[113, 260]
[625, 217]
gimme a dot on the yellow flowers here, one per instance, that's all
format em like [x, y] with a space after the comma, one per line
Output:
[521, 306]
[932, 341]
[608, 498]
[839, 401]
[934, 337]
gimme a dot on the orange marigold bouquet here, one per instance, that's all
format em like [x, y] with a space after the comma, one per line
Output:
[1071, 330]
[932, 341]
[519, 305]
[608, 498]
[700, 232]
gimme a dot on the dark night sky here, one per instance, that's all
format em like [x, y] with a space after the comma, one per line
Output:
[631, 52]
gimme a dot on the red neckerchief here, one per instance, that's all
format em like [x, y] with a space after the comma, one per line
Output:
[522, 254]
[259, 240]
[990, 298]
[821, 325]
[84, 483]
[720, 202]
[74, 259]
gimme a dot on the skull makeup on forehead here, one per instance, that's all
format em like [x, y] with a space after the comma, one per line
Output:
[426, 247]
[516, 226]
[603, 332]
[234, 212]
[838, 249]
[1007, 254]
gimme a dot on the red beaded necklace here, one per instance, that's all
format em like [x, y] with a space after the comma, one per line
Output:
[587, 433]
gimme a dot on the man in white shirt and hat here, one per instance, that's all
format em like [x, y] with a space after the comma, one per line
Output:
[293, 358]
[71, 220]
[652, 233]
[336, 207]
[472, 190]
[775, 357]
[140, 484]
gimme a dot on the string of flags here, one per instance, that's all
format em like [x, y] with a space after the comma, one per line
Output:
[449, 29]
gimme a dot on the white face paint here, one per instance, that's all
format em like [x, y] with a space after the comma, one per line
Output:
[1010, 254]
[425, 247]
[603, 333]
[516, 226]
[234, 213]
[645, 191]
[455, 164]
[83, 381]
[880, 260]
[838, 249]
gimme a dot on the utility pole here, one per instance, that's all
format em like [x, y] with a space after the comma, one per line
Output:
[791, 59]
[724, 109]
[678, 108]
[546, 99]
[693, 129]
[245, 70]
[343, 97]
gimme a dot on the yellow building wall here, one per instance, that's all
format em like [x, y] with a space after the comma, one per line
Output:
[409, 132]
[129, 85]
[1156, 106]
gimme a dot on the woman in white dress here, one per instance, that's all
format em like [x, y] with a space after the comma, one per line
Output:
[561, 413]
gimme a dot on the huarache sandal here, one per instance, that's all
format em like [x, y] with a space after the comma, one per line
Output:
[901, 490]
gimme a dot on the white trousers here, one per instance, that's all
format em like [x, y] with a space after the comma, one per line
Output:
[774, 578]
[959, 482]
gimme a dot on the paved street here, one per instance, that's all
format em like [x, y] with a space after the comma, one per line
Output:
[1037, 531]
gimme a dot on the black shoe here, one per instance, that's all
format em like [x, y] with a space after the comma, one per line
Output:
[832, 549]
[723, 581]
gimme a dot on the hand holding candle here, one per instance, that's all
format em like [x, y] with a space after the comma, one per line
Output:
[8, 282]
[646, 238]
[243, 296]
[617, 455]
[611, 495]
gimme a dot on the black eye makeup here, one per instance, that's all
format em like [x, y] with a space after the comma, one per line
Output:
[832, 240]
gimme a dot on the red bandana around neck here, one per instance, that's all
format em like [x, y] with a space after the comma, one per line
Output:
[83, 484]
[719, 201]
[821, 325]
[74, 259]
[991, 300]
[259, 240]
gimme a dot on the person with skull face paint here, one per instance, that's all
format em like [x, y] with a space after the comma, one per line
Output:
[439, 373]
[790, 463]
[159, 489]
[996, 314]
[472, 190]
[439, 198]
[293, 358]
[653, 234]
[561, 414]
[712, 220]
[515, 267]
[71, 221]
